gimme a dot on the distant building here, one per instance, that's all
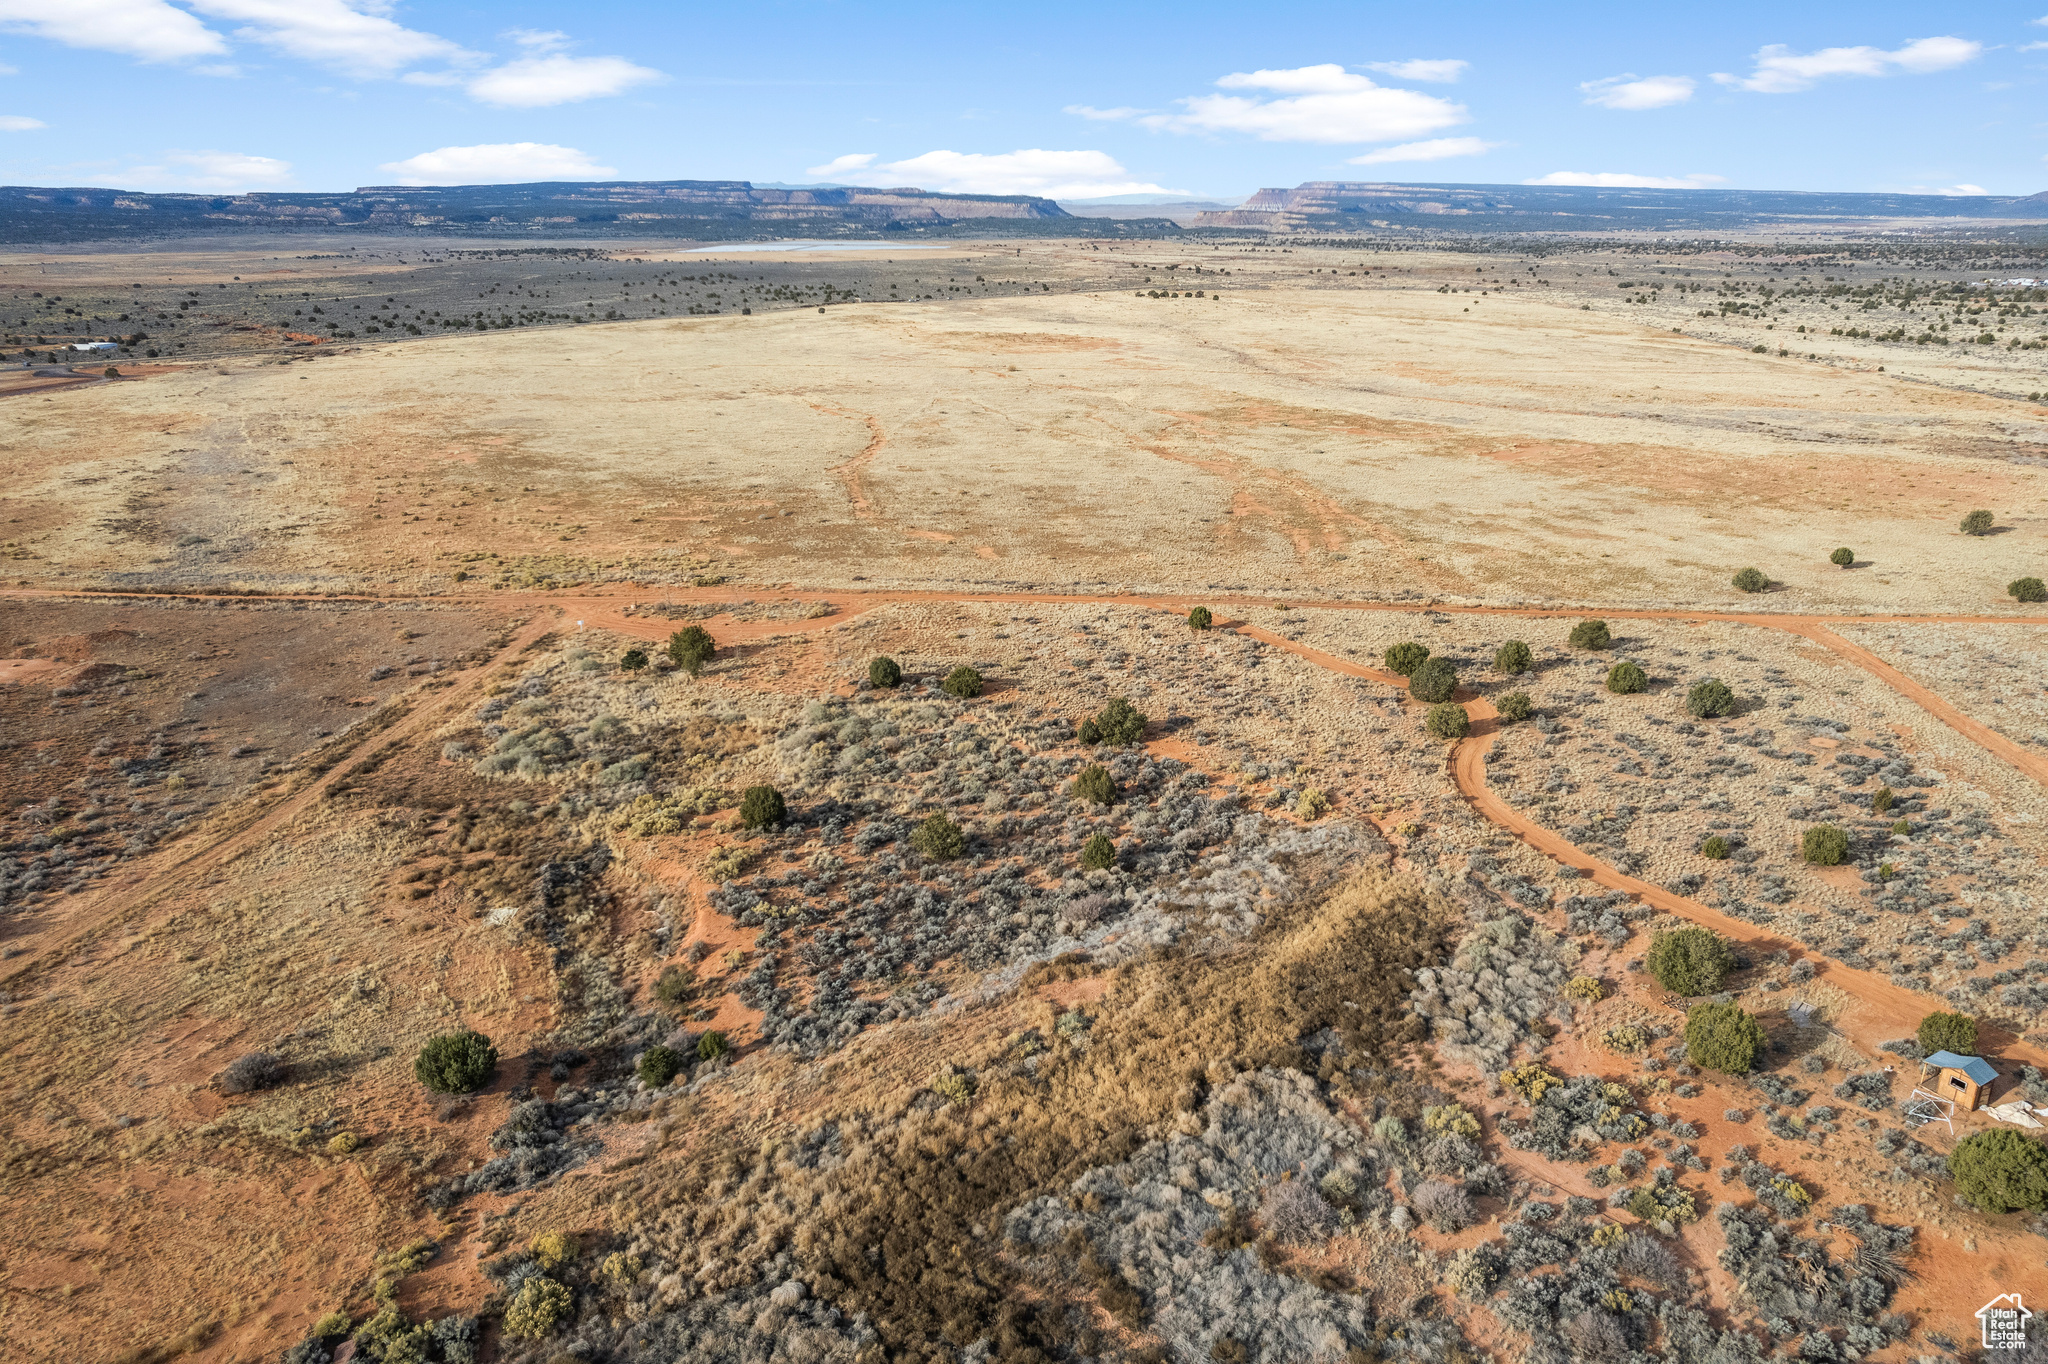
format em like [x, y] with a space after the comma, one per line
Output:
[1963, 1078]
[95, 347]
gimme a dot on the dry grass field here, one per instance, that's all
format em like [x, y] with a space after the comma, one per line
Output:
[338, 714]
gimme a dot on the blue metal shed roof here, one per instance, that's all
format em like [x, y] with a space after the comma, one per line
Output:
[1976, 1067]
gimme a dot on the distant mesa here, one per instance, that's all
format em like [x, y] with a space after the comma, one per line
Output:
[1346, 205]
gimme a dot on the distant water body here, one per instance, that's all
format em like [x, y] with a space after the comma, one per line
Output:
[750, 247]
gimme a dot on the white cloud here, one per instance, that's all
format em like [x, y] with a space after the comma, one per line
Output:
[1323, 103]
[1619, 180]
[534, 82]
[539, 39]
[1781, 71]
[1443, 72]
[1435, 149]
[1089, 111]
[20, 123]
[149, 29]
[497, 163]
[1631, 91]
[1953, 191]
[1051, 174]
[232, 172]
[843, 165]
[360, 41]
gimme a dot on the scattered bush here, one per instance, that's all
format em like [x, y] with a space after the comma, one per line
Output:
[1626, 679]
[1715, 848]
[456, 1063]
[1095, 785]
[762, 808]
[1689, 961]
[1902, 827]
[1977, 523]
[1513, 657]
[675, 985]
[1200, 619]
[1723, 1037]
[1313, 805]
[1404, 658]
[1447, 721]
[1947, 1032]
[1118, 724]
[1515, 706]
[536, 1307]
[884, 672]
[552, 1249]
[939, 838]
[2001, 1170]
[1883, 800]
[1590, 634]
[1294, 1213]
[1531, 1081]
[2027, 589]
[711, 1046]
[690, 648]
[955, 1088]
[1587, 988]
[249, 1073]
[1708, 699]
[1450, 1119]
[1824, 845]
[343, 1143]
[1435, 680]
[658, 1066]
[1447, 1207]
[1751, 580]
[1625, 1038]
[1098, 853]
[963, 682]
[633, 660]
[1842, 558]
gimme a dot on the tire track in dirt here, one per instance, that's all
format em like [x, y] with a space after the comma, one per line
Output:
[851, 471]
[137, 894]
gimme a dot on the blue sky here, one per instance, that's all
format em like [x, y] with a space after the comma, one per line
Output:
[1064, 99]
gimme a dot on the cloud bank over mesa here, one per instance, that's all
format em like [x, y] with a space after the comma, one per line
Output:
[1049, 174]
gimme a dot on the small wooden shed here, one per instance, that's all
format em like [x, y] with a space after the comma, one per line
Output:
[1965, 1079]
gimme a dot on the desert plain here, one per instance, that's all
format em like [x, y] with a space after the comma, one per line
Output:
[323, 737]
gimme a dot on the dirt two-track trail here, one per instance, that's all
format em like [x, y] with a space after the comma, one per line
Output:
[1887, 1007]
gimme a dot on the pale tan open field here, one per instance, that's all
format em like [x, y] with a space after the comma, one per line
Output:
[1302, 434]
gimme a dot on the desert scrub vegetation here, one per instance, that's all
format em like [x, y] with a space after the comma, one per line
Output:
[1842, 558]
[253, 1071]
[1723, 1037]
[1515, 705]
[762, 807]
[884, 673]
[1506, 974]
[690, 648]
[1943, 1031]
[1118, 725]
[1750, 580]
[1689, 961]
[1626, 679]
[963, 683]
[1513, 657]
[1404, 658]
[1200, 618]
[1590, 634]
[456, 1063]
[2001, 1171]
[1812, 1303]
[1708, 699]
[1978, 522]
[1094, 785]
[1447, 721]
[1435, 681]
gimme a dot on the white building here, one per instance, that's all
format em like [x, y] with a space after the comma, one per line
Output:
[94, 347]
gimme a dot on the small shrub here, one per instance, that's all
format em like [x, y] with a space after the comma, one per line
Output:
[1447, 1207]
[1947, 1032]
[1118, 725]
[711, 1046]
[1842, 558]
[675, 985]
[1590, 634]
[1715, 848]
[884, 672]
[1200, 618]
[955, 1088]
[1294, 1213]
[1098, 853]
[343, 1143]
[456, 1063]
[1447, 721]
[1095, 785]
[1977, 523]
[1513, 657]
[1404, 658]
[658, 1066]
[1313, 805]
[1751, 580]
[1824, 845]
[722, 864]
[1626, 679]
[331, 1326]
[1883, 800]
[762, 807]
[1689, 961]
[633, 660]
[1452, 1119]
[1587, 988]
[1902, 827]
[963, 682]
[620, 1268]
[939, 838]
[1530, 1080]
[1515, 706]
[536, 1307]
[1723, 1037]
[249, 1073]
[690, 648]
[2001, 1170]
[1435, 680]
[1625, 1038]
[2027, 589]
[552, 1249]
[1708, 699]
